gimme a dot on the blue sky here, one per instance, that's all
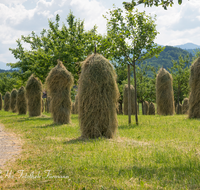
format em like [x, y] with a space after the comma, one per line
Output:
[178, 25]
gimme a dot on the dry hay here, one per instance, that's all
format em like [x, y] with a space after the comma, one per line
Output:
[97, 98]
[59, 82]
[164, 93]
[180, 109]
[73, 108]
[151, 108]
[47, 104]
[125, 99]
[13, 101]
[119, 109]
[34, 96]
[42, 105]
[1, 102]
[21, 101]
[194, 99]
[76, 105]
[146, 108]
[7, 101]
[185, 106]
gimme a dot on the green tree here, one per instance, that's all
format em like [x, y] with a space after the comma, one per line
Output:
[131, 35]
[9, 80]
[180, 72]
[71, 44]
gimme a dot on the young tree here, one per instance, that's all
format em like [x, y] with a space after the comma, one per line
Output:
[131, 35]
[180, 72]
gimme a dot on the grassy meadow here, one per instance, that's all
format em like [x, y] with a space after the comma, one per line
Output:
[162, 152]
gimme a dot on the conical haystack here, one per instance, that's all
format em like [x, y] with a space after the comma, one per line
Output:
[34, 96]
[185, 107]
[13, 101]
[7, 101]
[76, 105]
[97, 98]
[59, 82]
[125, 99]
[146, 108]
[73, 108]
[1, 102]
[151, 108]
[194, 99]
[164, 93]
[180, 109]
[47, 104]
[21, 101]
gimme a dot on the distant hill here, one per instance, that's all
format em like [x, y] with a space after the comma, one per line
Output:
[166, 56]
[188, 46]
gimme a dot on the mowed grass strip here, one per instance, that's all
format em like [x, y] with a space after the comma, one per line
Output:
[163, 152]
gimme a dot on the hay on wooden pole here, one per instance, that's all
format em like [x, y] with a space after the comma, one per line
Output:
[47, 104]
[164, 93]
[180, 109]
[59, 82]
[34, 96]
[125, 99]
[98, 96]
[76, 105]
[1, 102]
[151, 108]
[13, 101]
[146, 108]
[194, 82]
[185, 106]
[21, 101]
[7, 101]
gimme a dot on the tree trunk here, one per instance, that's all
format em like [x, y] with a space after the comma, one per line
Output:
[136, 116]
[129, 96]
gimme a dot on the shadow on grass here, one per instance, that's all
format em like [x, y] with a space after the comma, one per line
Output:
[83, 140]
[49, 125]
[34, 118]
[131, 126]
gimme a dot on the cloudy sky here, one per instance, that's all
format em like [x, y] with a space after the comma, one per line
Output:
[178, 25]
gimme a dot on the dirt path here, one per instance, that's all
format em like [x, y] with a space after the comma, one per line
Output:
[10, 146]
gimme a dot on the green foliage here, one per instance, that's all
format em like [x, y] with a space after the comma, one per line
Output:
[9, 81]
[150, 3]
[131, 36]
[71, 44]
[180, 72]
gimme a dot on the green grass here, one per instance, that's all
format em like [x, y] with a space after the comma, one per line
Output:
[163, 152]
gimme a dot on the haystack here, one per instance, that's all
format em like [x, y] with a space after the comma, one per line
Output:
[97, 98]
[47, 104]
[194, 99]
[125, 99]
[73, 108]
[180, 109]
[76, 105]
[7, 101]
[21, 101]
[146, 108]
[119, 109]
[42, 105]
[59, 82]
[151, 108]
[13, 101]
[34, 96]
[1, 102]
[185, 107]
[164, 93]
